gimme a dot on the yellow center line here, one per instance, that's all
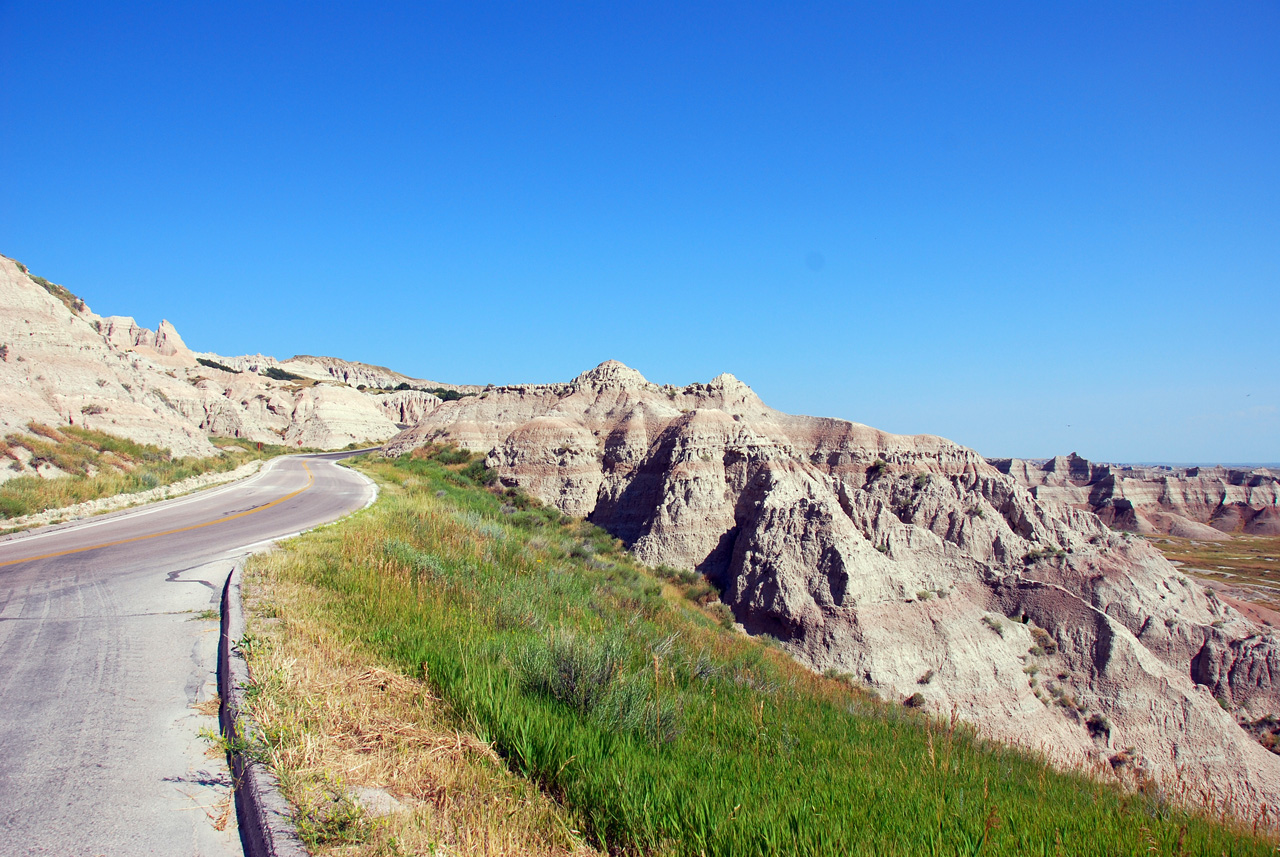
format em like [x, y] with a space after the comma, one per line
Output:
[310, 480]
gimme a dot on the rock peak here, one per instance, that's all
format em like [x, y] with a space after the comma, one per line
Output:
[612, 373]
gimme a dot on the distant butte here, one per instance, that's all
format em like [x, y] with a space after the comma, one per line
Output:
[1188, 502]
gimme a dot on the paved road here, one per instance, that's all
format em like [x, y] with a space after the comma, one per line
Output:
[103, 656]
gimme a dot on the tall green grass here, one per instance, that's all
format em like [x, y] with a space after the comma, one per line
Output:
[103, 465]
[662, 731]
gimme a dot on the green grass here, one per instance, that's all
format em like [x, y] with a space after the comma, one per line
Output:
[104, 465]
[663, 732]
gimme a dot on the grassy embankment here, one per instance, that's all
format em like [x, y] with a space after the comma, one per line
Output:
[659, 730]
[103, 465]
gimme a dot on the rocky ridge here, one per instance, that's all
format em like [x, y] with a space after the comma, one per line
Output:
[61, 363]
[1189, 502]
[909, 562]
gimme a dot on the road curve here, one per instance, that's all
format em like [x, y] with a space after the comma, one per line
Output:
[103, 656]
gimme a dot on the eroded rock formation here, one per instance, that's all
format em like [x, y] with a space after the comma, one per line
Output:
[1190, 502]
[909, 562]
[62, 364]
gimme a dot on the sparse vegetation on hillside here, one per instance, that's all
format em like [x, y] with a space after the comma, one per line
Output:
[443, 393]
[275, 373]
[99, 465]
[447, 395]
[660, 730]
[62, 293]
[214, 364]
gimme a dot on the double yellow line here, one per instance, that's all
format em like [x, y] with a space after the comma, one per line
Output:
[310, 481]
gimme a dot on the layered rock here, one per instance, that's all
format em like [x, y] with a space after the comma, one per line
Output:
[356, 374]
[59, 368]
[908, 561]
[1190, 502]
[62, 364]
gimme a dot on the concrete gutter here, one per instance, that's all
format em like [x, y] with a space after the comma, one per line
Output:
[264, 816]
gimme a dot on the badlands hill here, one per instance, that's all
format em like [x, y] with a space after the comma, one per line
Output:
[61, 364]
[1189, 502]
[911, 563]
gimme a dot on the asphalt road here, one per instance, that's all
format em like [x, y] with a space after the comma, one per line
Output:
[104, 656]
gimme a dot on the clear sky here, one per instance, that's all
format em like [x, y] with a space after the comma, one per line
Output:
[1030, 227]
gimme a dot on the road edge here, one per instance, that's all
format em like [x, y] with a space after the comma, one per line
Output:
[264, 816]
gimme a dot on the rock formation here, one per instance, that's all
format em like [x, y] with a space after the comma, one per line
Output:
[909, 562]
[1190, 502]
[62, 364]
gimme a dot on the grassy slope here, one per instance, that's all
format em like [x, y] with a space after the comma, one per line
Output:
[104, 465]
[383, 731]
[659, 729]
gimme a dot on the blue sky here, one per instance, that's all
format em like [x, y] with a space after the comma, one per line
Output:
[1030, 227]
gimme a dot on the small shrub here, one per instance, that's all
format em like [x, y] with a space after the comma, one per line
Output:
[275, 373]
[926, 678]
[91, 410]
[1098, 726]
[924, 594]
[877, 468]
[994, 624]
[921, 480]
[572, 671]
[702, 592]
[680, 576]
[722, 613]
[1034, 556]
[479, 474]
[450, 454]
[221, 367]
[447, 395]
[915, 700]
[1044, 641]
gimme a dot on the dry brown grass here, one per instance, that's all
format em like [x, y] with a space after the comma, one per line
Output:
[336, 720]
[210, 707]
[1251, 563]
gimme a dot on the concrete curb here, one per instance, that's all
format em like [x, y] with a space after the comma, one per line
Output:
[264, 816]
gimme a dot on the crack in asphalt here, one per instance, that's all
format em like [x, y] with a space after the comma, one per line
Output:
[172, 577]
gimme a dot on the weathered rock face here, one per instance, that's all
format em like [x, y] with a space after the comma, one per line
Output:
[1191, 502]
[910, 562]
[62, 364]
[58, 367]
[355, 374]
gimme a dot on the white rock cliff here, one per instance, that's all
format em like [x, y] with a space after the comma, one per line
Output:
[908, 561]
